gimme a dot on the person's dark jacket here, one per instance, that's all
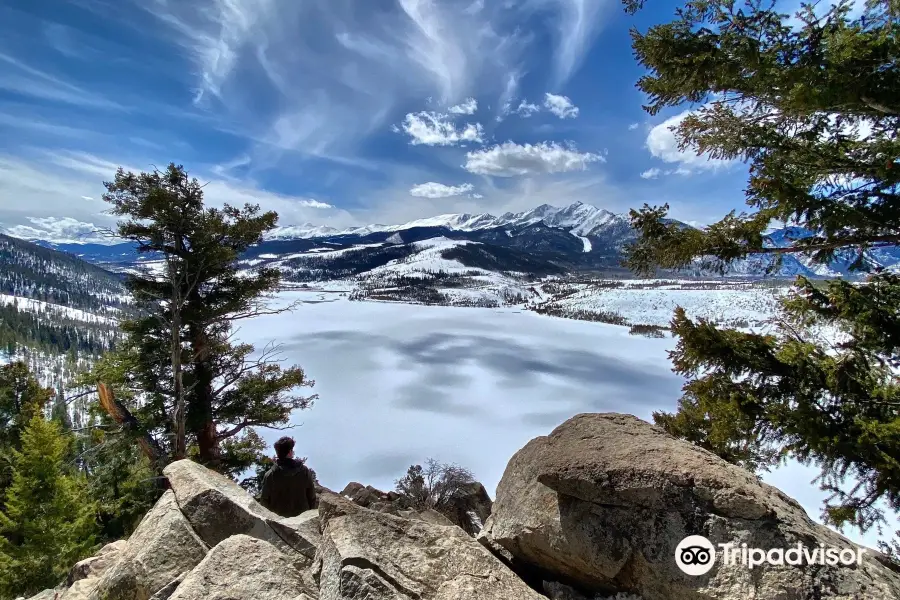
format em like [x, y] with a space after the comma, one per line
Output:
[288, 488]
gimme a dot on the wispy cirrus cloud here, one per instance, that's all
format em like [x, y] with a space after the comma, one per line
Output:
[21, 78]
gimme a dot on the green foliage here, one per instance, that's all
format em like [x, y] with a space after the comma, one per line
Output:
[181, 360]
[813, 111]
[48, 522]
[21, 399]
[119, 479]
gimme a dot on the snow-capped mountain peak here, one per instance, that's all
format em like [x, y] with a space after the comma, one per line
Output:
[578, 218]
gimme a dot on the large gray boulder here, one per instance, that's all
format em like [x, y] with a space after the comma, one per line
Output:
[604, 500]
[162, 547]
[369, 555]
[218, 508]
[242, 568]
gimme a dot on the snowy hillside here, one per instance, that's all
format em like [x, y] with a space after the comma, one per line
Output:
[652, 302]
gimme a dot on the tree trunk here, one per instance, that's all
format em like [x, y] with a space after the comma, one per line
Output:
[203, 419]
[177, 371]
[121, 415]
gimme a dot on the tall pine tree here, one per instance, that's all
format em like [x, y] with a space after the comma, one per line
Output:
[200, 389]
[48, 522]
[811, 105]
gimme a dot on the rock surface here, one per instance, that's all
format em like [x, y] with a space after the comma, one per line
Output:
[603, 501]
[368, 555]
[96, 565]
[217, 507]
[242, 568]
[469, 509]
[162, 547]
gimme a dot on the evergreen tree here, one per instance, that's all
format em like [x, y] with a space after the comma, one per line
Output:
[199, 388]
[48, 522]
[21, 398]
[813, 109]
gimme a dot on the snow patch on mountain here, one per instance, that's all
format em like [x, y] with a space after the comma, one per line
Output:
[429, 259]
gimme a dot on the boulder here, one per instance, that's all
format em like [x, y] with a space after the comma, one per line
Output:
[218, 508]
[604, 500]
[352, 488]
[368, 555]
[470, 508]
[302, 532]
[162, 547]
[95, 566]
[242, 568]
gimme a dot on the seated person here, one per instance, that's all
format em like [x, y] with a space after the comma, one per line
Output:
[288, 488]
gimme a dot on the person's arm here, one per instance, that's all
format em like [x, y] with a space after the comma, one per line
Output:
[266, 494]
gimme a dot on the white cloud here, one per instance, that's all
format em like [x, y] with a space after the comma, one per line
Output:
[467, 107]
[510, 159]
[86, 198]
[662, 143]
[633, 126]
[314, 204]
[439, 190]
[526, 109]
[651, 173]
[334, 73]
[58, 230]
[436, 129]
[561, 106]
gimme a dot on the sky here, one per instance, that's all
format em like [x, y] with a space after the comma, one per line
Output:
[339, 112]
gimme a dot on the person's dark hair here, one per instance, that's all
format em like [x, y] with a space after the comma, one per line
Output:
[284, 446]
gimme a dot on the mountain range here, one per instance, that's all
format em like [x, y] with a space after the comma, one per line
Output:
[543, 240]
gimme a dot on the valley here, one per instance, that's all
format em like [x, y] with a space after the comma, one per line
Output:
[432, 341]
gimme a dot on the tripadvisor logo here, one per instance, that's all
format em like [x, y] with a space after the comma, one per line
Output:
[695, 555]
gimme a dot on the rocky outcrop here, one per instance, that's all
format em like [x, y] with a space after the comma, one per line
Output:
[368, 555]
[468, 509]
[596, 509]
[218, 508]
[604, 500]
[162, 547]
[242, 568]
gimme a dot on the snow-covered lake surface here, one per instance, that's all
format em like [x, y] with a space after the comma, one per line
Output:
[399, 383]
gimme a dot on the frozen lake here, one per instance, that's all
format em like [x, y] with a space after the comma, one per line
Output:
[399, 383]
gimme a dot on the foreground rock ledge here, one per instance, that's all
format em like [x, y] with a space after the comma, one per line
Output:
[603, 501]
[369, 555]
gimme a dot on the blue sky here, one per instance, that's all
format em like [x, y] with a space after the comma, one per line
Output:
[339, 112]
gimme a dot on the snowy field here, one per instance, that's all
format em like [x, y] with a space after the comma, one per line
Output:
[399, 383]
